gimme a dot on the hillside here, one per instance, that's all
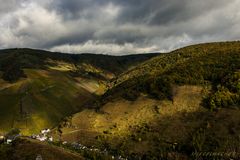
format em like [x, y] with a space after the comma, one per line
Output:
[39, 59]
[39, 88]
[196, 65]
[174, 106]
[157, 129]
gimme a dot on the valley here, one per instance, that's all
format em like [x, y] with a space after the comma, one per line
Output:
[152, 106]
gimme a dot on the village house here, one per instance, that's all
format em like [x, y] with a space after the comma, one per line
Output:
[45, 131]
[9, 141]
[43, 136]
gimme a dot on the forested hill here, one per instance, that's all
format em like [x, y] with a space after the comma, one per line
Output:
[209, 63]
[39, 59]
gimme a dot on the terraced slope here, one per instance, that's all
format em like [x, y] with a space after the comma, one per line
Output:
[41, 100]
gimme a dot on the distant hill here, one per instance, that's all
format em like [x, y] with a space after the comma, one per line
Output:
[39, 59]
[39, 88]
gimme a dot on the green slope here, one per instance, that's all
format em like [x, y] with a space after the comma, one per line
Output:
[40, 101]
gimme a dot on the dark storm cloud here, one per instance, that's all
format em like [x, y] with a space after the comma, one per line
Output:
[71, 39]
[73, 9]
[162, 12]
[116, 26]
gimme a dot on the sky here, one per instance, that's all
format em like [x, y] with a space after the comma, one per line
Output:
[116, 27]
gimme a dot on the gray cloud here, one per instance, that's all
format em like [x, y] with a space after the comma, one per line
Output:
[116, 26]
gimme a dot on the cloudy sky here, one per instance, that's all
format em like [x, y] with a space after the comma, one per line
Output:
[116, 26]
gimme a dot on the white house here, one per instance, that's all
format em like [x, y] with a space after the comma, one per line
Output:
[43, 138]
[9, 141]
[50, 139]
[45, 131]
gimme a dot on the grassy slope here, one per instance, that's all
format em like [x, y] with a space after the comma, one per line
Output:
[118, 116]
[151, 127]
[47, 96]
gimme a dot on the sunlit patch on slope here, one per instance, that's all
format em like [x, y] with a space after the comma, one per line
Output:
[115, 119]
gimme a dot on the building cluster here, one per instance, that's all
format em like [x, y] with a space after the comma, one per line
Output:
[43, 136]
